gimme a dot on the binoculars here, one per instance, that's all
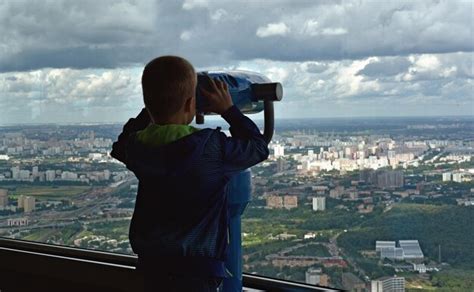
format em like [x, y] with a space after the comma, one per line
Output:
[249, 91]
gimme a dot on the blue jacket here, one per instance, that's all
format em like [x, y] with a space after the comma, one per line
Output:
[180, 221]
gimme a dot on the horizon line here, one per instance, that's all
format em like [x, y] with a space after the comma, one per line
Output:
[259, 119]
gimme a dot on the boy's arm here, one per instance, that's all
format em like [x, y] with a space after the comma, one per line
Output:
[133, 125]
[247, 145]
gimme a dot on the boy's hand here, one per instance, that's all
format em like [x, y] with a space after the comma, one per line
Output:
[218, 98]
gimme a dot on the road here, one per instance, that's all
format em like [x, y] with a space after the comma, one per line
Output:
[350, 261]
[89, 203]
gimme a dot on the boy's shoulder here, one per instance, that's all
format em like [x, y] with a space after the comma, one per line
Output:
[212, 137]
[211, 133]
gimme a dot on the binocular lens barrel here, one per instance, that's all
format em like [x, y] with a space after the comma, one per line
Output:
[267, 91]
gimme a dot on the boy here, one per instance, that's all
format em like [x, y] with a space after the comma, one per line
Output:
[179, 226]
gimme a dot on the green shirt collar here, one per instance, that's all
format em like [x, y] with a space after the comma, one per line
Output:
[157, 135]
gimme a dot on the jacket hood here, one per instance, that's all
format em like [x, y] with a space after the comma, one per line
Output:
[165, 149]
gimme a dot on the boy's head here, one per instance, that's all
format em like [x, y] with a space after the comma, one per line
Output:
[169, 90]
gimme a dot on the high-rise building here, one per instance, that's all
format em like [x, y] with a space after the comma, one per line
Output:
[391, 154]
[457, 177]
[281, 165]
[24, 174]
[15, 172]
[390, 179]
[21, 201]
[319, 203]
[447, 176]
[50, 175]
[35, 171]
[348, 152]
[106, 174]
[29, 204]
[3, 197]
[388, 284]
[278, 150]
[382, 178]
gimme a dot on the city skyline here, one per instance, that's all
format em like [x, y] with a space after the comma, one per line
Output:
[215, 120]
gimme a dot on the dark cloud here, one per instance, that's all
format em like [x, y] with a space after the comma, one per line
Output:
[316, 67]
[109, 34]
[334, 58]
[75, 57]
[387, 67]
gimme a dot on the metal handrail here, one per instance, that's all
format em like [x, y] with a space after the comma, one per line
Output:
[130, 261]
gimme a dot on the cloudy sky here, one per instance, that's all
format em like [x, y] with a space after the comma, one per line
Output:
[81, 61]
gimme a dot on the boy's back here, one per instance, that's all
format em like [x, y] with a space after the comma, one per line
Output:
[179, 226]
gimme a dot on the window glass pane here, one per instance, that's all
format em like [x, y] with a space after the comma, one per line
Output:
[370, 172]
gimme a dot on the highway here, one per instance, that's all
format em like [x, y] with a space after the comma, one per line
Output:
[89, 210]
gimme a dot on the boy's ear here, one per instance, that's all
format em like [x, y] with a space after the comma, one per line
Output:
[189, 104]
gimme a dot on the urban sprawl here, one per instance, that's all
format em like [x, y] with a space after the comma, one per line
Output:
[312, 200]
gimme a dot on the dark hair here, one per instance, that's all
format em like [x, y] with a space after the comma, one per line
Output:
[167, 82]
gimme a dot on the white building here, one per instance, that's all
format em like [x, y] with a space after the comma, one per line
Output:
[17, 222]
[407, 250]
[106, 174]
[278, 150]
[379, 245]
[388, 284]
[411, 249]
[319, 203]
[393, 253]
[95, 156]
[447, 176]
[458, 177]
[314, 276]
[68, 175]
[309, 235]
[420, 268]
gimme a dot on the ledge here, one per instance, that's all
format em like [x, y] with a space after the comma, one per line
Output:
[32, 266]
